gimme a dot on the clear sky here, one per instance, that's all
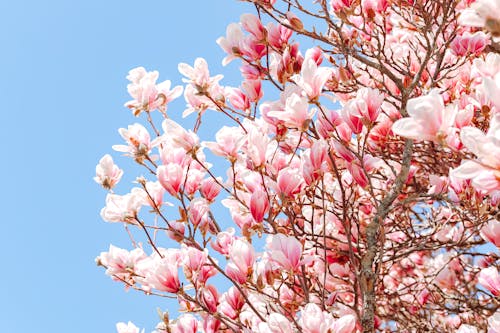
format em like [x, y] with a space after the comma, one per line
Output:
[62, 86]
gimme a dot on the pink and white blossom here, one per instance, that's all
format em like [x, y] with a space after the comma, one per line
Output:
[108, 174]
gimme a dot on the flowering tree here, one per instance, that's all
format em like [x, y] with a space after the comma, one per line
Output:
[363, 174]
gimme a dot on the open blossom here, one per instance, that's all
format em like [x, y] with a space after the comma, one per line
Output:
[120, 263]
[296, 113]
[312, 78]
[491, 232]
[198, 75]
[468, 43]
[138, 140]
[108, 174]
[286, 251]
[490, 279]
[127, 328]
[122, 208]
[485, 170]
[186, 323]
[429, 119]
[482, 13]
[228, 142]
[147, 95]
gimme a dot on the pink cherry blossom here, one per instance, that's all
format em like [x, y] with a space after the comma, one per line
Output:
[108, 174]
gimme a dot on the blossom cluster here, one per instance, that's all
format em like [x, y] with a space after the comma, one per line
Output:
[372, 177]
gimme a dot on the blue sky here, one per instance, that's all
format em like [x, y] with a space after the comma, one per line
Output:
[62, 86]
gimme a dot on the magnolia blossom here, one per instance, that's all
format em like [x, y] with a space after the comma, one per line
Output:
[490, 279]
[138, 140]
[485, 170]
[198, 75]
[108, 174]
[468, 43]
[494, 323]
[147, 94]
[122, 208]
[312, 78]
[127, 328]
[429, 118]
[286, 251]
[120, 263]
[491, 232]
[482, 13]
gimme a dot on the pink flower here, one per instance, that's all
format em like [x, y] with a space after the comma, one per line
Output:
[198, 210]
[122, 208]
[127, 328]
[231, 43]
[120, 263]
[311, 78]
[482, 13]
[494, 323]
[429, 118]
[179, 136]
[490, 279]
[468, 43]
[223, 241]
[171, 177]
[485, 170]
[253, 25]
[296, 113]
[198, 75]
[286, 251]
[228, 142]
[362, 110]
[314, 320]
[242, 255]
[138, 140]
[491, 87]
[210, 298]
[162, 273]
[147, 95]
[186, 323]
[276, 323]
[338, 5]
[210, 188]
[259, 205]
[289, 182]
[108, 174]
[345, 324]
[491, 232]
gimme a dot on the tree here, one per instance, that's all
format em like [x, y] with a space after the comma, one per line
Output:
[365, 169]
